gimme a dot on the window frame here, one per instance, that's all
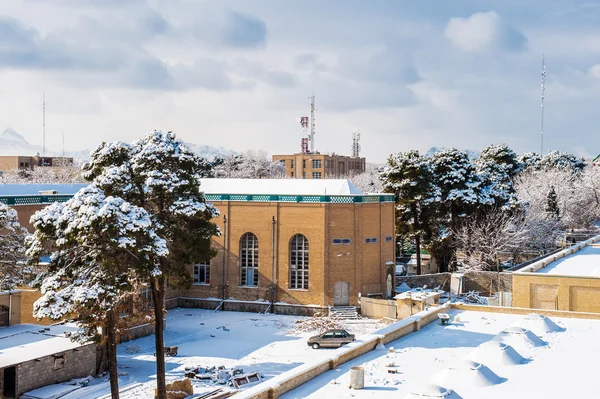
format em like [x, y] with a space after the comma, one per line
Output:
[299, 266]
[249, 259]
[206, 266]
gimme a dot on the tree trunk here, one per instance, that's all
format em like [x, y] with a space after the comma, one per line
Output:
[102, 361]
[418, 245]
[111, 346]
[158, 296]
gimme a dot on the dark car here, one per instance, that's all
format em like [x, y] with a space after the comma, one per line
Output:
[331, 339]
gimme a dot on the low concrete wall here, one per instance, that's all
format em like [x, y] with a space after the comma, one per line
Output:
[250, 306]
[549, 313]
[273, 388]
[378, 308]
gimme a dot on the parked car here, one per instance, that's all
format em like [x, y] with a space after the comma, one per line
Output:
[331, 339]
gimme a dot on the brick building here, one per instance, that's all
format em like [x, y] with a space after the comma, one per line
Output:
[34, 356]
[321, 166]
[10, 162]
[316, 242]
[568, 280]
[320, 242]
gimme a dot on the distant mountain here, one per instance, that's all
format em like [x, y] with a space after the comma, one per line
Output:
[472, 154]
[12, 143]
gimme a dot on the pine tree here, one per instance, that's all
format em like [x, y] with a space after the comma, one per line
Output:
[459, 184]
[409, 176]
[95, 242]
[161, 174]
[552, 204]
[12, 249]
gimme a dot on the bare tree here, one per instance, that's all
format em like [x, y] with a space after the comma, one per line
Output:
[66, 173]
[249, 165]
[486, 239]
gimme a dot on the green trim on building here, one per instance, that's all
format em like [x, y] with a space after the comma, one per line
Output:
[335, 199]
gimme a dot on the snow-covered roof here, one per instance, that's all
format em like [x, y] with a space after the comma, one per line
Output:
[279, 186]
[34, 189]
[24, 342]
[584, 263]
[558, 364]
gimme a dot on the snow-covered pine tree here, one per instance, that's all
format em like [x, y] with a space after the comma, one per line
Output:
[562, 160]
[529, 160]
[552, 208]
[454, 174]
[496, 166]
[95, 243]
[409, 176]
[161, 174]
[12, 249]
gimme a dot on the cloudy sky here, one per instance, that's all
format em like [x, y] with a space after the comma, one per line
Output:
[407, 74]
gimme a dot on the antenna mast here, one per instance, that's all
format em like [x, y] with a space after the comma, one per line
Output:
[312, 124]
[542, 104]
[355, 145]
[44, 125]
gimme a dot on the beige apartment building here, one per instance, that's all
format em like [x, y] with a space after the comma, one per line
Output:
[10, 162]
[320, 166]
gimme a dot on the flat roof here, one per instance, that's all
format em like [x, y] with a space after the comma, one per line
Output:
[24, 342]
[478, 356]
[34, 189]
[279, 186]
[582, 263]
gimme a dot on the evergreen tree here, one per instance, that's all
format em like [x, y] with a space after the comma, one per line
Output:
[161, 174]
[95, 242]
[552, 204]
[409, 176]
[496, 166]
[459, 185]
[12, 249]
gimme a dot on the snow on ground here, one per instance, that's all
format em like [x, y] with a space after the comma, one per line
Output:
[562, 366]
[585, 262]
[255, 342]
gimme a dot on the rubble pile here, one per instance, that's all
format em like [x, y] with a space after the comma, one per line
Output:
[318, 324]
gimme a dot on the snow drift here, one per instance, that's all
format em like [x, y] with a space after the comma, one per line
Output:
[432, 391]
[519, 337]
[539, 324]
[467, 373]
[496, 353]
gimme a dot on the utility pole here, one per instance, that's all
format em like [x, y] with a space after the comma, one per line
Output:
[542, 103]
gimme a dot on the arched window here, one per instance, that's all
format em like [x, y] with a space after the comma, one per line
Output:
[299, 262]
[249, 260]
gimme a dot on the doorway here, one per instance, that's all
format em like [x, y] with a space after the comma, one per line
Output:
[10, 382]
[341, 294]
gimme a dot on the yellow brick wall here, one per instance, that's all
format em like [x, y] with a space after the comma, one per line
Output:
[553, 292]
[359, 264]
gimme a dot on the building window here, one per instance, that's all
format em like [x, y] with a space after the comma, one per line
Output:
[202, 273]
[292, 163]
[299, 262]
[342, 241]
[304, 164]
[292, 174]
[316, 164]
[326, 163]
[316, 175]
[304, 175]
[371, 240]
[146, 297]
[388, 239]
[249, 260]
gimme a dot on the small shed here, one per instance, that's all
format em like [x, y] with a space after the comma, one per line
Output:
[33, 356]
[415, 301]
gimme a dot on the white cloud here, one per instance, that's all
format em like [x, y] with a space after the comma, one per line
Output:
[483, 31]
[594, 71]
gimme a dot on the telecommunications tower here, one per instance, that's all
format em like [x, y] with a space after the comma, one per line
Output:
[355, 145]
[542, 103]
[312, 124]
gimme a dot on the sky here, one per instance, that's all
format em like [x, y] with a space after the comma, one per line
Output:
[238, 73]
